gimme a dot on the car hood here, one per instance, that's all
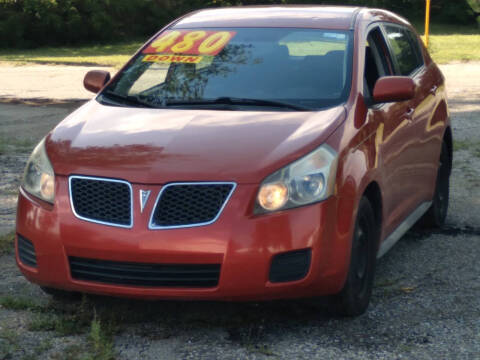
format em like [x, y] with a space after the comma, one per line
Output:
[157, 146]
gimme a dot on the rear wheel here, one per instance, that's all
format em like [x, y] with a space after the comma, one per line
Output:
[355, 296]
[437, 213]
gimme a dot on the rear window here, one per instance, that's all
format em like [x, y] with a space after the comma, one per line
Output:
[307, 67]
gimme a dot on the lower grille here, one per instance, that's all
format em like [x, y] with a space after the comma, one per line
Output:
[139, 274]
[26, 251]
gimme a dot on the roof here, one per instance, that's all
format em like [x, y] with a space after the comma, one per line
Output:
[326, 17]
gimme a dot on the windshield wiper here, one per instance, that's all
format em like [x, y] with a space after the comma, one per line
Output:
[127, 99]
[238, 101]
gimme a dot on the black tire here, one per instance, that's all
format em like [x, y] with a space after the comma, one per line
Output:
[437, 213]
[355, 296]
[61, 295]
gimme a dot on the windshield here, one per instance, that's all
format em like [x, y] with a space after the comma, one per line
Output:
[239, 68]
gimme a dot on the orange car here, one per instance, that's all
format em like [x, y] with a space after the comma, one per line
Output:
[246, 153]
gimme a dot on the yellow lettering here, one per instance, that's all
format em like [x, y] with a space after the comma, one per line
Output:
[188, 41]
[214, 42]
[164, 41]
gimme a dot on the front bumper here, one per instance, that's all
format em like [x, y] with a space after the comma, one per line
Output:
[243, 244]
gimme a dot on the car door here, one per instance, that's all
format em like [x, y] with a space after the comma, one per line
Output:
[418, 169]
[395, 137]
[428, 128]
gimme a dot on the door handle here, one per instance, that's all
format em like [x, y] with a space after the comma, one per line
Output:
[433, 90]
[409, 113]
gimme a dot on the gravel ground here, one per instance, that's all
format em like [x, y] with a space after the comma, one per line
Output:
[59, 82]
[425, 302]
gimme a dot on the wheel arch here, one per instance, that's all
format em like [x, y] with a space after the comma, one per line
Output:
[448, 140]
[374, 195]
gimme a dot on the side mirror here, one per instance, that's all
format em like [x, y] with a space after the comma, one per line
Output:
[393, 88]
[95, 80]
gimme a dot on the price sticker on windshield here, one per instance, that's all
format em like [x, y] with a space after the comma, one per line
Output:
[165, 58]
[190, 42]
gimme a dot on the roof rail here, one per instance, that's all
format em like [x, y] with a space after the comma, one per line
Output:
[354, 17]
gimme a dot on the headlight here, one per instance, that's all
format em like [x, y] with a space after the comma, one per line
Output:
[38, 177]
[307, 180]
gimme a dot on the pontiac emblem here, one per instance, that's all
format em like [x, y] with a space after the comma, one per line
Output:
[144, 194]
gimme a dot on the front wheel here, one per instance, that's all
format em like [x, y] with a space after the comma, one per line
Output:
[355, 296]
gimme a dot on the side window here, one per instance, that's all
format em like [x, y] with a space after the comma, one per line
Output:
[416, 46]
[377, 60]
[404, 49]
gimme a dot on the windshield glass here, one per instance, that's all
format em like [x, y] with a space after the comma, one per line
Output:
[275, 67]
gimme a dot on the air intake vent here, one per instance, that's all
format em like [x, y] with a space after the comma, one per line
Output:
[290, 266]
[190, 204]
[104, 201]
[26, 251]
[145, 275]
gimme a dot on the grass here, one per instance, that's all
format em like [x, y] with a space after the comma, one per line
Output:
[15, 144]
[8, 343]
[62, 325]
[460, 145]
[18, 303]
[100, 342]
[470, 145]
[43, 322]
[447, 43]
[71, 352]
[43, 346]
[449, 48]
[106, 55]
[446, 29]
[6, 244]
[64, 319]
[96, 320]
[99, 338]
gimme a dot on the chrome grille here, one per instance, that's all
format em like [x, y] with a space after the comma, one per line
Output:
[190, 204]
[101, 200]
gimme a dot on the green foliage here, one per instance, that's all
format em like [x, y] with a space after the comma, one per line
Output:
[100, 342]
[6, 240]
[18, 303]
[43, 322]
[8, 343]
[108, 55]
[34, 23]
